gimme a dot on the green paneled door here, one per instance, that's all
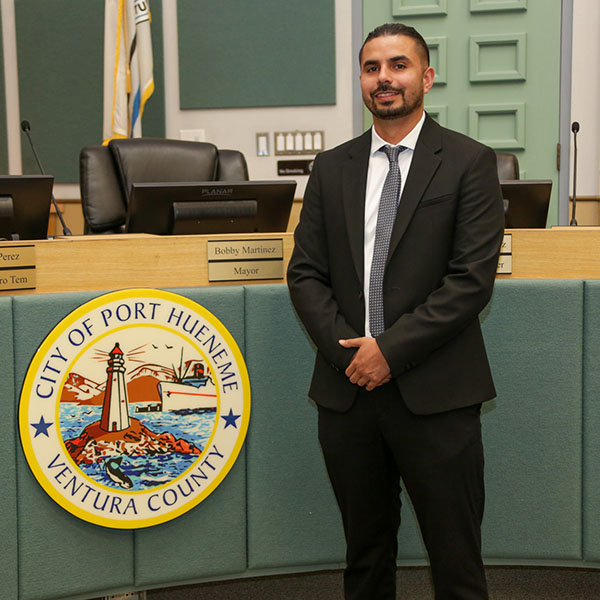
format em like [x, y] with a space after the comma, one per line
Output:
[497, 66]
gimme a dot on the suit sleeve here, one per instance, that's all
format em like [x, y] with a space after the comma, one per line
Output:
[309, 279]
[467, 287]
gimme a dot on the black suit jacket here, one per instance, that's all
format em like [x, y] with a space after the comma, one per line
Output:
[439, 274]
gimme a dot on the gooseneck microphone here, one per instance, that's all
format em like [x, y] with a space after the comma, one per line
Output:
[574, 129]
[26, 127]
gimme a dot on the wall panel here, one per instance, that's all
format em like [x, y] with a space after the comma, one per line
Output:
[266, 53]
[60, 48]
[3, 138]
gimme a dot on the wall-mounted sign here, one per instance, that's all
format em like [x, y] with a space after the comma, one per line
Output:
[286, 168]
[134, 408]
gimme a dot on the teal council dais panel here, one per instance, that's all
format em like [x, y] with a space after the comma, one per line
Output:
[51, 541]
[210, 539]
[8, 472]
[532, 431]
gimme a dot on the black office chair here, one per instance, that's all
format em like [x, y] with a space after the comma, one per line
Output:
[107, 173]
[508, 166]
[231, 166]
[102, 201]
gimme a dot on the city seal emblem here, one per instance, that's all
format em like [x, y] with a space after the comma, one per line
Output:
[134, 408]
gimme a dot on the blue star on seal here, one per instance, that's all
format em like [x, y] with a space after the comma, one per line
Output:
[230, 419]
[41, 427]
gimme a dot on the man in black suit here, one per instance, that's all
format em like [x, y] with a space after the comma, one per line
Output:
[392, 304]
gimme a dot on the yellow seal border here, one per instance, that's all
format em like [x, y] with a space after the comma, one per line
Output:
[46, 346]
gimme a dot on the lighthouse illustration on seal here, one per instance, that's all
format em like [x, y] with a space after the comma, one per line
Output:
[115, 410]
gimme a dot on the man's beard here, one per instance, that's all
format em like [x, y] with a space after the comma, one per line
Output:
[385, 113]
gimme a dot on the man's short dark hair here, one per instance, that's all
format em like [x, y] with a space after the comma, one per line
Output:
[398, 29]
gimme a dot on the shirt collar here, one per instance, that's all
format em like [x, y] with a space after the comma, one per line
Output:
[409, 141]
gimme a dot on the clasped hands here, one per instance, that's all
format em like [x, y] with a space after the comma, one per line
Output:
[368, 368]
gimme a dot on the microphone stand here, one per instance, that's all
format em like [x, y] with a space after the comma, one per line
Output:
[26, 128]
[574, 129]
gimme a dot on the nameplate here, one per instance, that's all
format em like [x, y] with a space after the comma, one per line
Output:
[505, 258]
[17, 268]
[504, 264]
[245, 260]
[13, 257]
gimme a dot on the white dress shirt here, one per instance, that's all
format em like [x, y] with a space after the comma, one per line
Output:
[378, 170]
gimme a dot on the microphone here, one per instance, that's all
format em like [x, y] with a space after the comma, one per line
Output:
[26, 127]
[574, 129]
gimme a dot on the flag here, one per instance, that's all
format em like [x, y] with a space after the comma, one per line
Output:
[128, 67]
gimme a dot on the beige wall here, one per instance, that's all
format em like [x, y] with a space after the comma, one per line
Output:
[237, 128]
[585, 95]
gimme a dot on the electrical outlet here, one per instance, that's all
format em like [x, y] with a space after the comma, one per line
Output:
[262, 144]
[192, 135]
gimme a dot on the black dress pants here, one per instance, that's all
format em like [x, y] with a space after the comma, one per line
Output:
[440, 460]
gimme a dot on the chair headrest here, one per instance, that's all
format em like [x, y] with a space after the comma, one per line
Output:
[508, 166]
[232, 166]
[141, 160]
[101, 196]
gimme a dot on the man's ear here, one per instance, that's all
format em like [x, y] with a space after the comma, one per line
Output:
[428, 76]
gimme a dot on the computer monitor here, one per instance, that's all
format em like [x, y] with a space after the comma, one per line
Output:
[25, 206]
[209, 207]
[526, 203]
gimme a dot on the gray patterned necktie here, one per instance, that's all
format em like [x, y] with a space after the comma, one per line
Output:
[386, 216]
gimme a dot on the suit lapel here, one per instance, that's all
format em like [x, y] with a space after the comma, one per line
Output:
[425, 163]
[354, 185]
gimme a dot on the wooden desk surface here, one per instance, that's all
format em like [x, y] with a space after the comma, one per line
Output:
[557, 253]
[85, 263]
[82, 263]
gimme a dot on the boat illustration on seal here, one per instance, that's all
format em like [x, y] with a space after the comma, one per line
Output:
[192, 390]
